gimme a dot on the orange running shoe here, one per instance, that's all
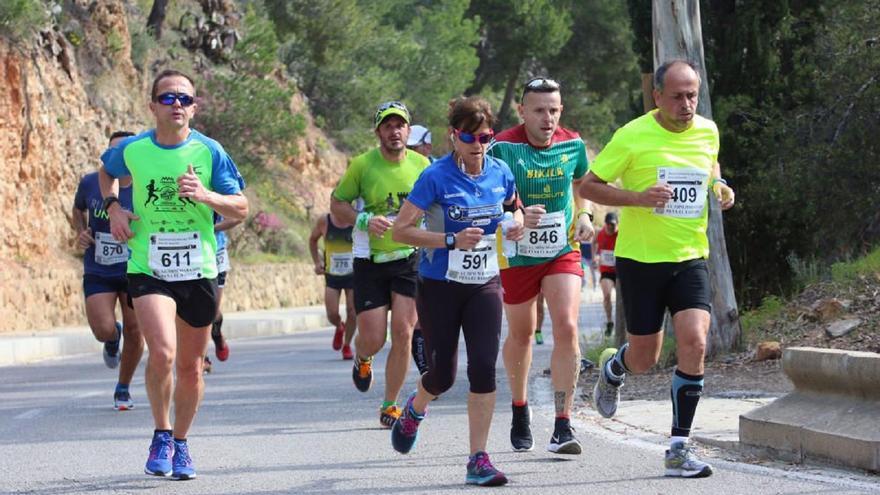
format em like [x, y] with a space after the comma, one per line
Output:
[389, 415]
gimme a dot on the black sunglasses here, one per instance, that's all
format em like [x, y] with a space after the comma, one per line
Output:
[169, 99]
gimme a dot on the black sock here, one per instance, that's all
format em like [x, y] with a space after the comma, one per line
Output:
[162, 431]
[617, 363]
[215, 327]
[686, 391]
[561, 423]
[178, 440]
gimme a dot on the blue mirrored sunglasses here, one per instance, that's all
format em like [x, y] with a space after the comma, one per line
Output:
[468, 138]
[169, 99]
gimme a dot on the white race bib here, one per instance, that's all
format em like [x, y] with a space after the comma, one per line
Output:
[341, 264]
[689, 187]
[606, 257]
[477, 266]
[109, 251]
[545, 240]
[222, 260]
[176, 256]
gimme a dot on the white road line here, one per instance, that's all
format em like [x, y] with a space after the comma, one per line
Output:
[29, 414]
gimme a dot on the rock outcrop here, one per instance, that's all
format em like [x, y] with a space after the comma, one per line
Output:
[61, 94]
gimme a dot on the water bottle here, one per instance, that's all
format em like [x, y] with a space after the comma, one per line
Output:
[509, 247]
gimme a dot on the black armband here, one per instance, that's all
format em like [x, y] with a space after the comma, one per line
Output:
[514, 205]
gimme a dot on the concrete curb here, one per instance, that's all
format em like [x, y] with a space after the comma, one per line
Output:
[23, 348]
[830, 416]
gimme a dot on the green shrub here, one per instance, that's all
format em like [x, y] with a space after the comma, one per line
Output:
[114, 42]
[771, 307]
[868, 265]
[21, 17]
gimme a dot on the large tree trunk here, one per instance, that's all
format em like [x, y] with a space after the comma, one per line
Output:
[504, 118]
[157, 18]
[678, 35]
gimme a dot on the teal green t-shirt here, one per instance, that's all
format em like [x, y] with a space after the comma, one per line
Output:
[544, 176]
[174, 236]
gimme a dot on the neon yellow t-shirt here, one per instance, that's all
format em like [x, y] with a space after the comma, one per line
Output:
[383, 185]
[640, 154]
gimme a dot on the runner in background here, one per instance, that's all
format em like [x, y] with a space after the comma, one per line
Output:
[386, 279]
[603, 252]
[221, 347]
[337, 265]
[420, 142]
[104, 281]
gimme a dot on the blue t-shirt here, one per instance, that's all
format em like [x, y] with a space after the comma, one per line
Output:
[221, 235]
[453, 201]
[88, 197]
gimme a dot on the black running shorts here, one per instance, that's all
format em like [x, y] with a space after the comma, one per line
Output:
[196, 299]
[649, 289]
[374, 282]
[339, 282]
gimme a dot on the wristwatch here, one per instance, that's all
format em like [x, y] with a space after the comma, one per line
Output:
[109, 200]
[450, 240]
[584, 211]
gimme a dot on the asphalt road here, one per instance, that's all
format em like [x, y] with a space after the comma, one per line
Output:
[282, 416]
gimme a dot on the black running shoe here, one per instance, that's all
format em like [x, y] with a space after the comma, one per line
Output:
[362, 374]
[520, 430]
[563, 440]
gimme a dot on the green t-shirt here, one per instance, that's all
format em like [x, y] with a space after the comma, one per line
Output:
[383, 185]
[640, 154]
[544, 176]
[164, 244]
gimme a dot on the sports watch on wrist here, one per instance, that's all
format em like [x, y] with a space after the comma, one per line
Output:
[450, 240]
[109, 200]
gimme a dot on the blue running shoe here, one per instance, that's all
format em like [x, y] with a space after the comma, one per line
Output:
[183, 468]
[161, 450]
[405, 431]
[480, 471]
[122, 400]
[111, 349]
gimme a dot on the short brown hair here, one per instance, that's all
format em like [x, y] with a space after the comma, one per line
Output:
[469, 113]
[168, 73]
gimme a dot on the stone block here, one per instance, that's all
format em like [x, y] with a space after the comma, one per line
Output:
[832, 415]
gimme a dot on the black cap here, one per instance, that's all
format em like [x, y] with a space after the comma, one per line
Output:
[611, 217]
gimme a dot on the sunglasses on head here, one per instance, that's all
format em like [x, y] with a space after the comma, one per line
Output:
[540, 84]
[391, 104]
[468, 138]
[169, 99]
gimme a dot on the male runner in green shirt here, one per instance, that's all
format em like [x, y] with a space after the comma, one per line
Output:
[548, 162]
[180, 178]
[667, 161]
[383, 177]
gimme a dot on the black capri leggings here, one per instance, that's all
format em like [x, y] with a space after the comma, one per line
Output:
[445, 308]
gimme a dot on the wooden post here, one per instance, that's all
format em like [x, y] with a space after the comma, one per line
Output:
[678, 35]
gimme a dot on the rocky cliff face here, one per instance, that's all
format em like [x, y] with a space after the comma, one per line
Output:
[58, 104]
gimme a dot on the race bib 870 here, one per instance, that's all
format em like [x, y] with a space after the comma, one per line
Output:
[109, 251]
